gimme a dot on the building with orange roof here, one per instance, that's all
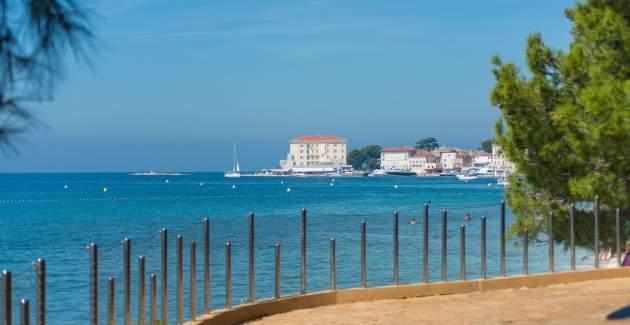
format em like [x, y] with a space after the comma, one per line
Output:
[316, 151]
[424, 163]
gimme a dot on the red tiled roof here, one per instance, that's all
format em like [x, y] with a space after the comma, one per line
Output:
[397, 149]
[422, 153]
[318, 138]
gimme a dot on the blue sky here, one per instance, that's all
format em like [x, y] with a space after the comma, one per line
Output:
[173, 83]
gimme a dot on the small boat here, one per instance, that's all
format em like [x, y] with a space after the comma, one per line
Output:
[448, 172]
[464, 177]
[400, 172]
[378, 172]
[236, 170]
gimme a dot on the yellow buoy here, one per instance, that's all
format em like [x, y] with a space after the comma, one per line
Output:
[105, 189]
[288, 189]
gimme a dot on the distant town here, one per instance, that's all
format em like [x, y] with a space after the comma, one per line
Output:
[327, 155]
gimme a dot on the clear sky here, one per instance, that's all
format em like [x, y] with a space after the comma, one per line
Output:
[173, 83]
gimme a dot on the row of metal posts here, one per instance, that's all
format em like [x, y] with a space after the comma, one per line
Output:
[303, 250]
[25, 309]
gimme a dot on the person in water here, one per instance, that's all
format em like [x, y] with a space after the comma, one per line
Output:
[467, 217]
[413, 221]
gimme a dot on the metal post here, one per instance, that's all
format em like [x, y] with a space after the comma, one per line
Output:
[551, 245]
[484, 270]
[127, 280]
[363, 256]
[333, 265]
[164, 276]
[395, 222]
[502, 237]
[141, 290]
[228, 275]
[596, 241]
[525, 253]
[111, 301]
[251, 259]
[7, 299]
[618, 237]
[303, 266]
[462, 254]
[425, 246]
[93, 284]
[206, 266]
[444, 222]
[277, 286]
[180, 279]
[153, 312]
[572, 234]
[41, 291]
[193, 281]
[25, 312]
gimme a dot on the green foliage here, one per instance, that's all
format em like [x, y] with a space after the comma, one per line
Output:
[365, 158]
[428, 144]
[566, 124]
[34, 36]
[486, 146]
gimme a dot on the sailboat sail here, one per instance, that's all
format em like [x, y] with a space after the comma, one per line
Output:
[236, 169]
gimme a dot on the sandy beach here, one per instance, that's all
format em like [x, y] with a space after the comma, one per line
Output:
[577, 303]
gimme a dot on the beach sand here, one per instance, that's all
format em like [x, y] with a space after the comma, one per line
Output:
[576, 303]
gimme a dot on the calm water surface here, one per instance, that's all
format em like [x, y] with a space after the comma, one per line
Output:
[41, 218]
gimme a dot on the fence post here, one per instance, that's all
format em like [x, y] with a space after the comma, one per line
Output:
[206, 266]
[502, 237]
[277, 282]
[303, 264]
[572, 234]
[164, 275]
[444, 247]
[111, 301]
[596, 236]
[333, 265]
[153, 311]
[551, 244]
[484, 271]
[396, 264]
[8, 297]
[363, 256]
[93, 284]
[462, 250]
[193, 281]
[618, 237]
[425, 246]
[127, 280]
[41, 291]
[228, 275]
[526, 253]
[251, 259]
[141, 289]
[180, 278]
[25, 312]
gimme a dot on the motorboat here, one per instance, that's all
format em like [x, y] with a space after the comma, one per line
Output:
[465, 177]
[400, 172]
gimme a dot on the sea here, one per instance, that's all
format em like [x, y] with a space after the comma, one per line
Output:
[56, 217]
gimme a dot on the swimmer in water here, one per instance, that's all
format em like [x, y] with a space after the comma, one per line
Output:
[467, 217]
[413, 221]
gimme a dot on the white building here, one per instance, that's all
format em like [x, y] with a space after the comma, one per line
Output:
[481, 159]
[423, 163]
[448, 158]
[499, 162]
[316, 151]
[396, 158]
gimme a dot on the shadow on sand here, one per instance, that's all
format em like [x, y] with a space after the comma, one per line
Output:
[621, 313]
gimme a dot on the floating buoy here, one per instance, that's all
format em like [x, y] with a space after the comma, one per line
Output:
[489, 184]
[281, 182]
[288, 189]
[332, 184]
[201, 184]
[166, 181]
[65, 187]
[233, 186]
[396, 186]
[105, 189]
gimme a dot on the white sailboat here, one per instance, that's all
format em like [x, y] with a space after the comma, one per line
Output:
[236, 169]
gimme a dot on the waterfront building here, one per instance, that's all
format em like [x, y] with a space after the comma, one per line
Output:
[448, 158]
[396, 158]
[481, 159]
[422, 162]
[326, 152]
[499, 162]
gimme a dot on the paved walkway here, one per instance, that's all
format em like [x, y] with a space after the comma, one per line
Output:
[577, 303]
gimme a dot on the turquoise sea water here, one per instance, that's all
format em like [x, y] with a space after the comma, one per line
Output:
[40, 218]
